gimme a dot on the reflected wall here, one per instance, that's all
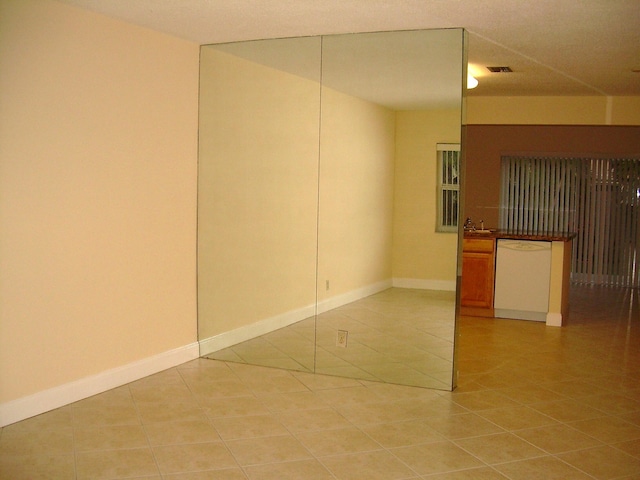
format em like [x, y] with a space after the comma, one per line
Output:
[317, 204]
[257, 194]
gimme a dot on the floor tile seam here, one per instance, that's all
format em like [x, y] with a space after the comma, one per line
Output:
[146, 434]
[441, 439]
[597, 414]
[196, 396]
[146, 426]
[534, 386]
[617, 414]
[246, 467]
[351, 425]
[193, 395]
[226, 439]
[113, 449]
[202, 398]
[352, 402]
[570, 424]
[604, 415]
[367, 423]
[319, 457]
[558, 457]
[547, 452]
[573, 467]
[173, 474]
[483, 394]
[167, 402]
[473, 436]
[158, 470]
[448, 441]
[477, 414]
[622, 394]
[24, 458]
[276, 416]
[322, 458]
[484, 385]
[299, 409]
[616, 446]
[297, 434]
[31, 448]
[212, 418]
[543, 454]
[598, 447]
[360, 381]
[349, 422]
[287, 373]
[502, 430]
[552, 422]
[243, 467]
[519, 404]
[622, 416]
[490, 467]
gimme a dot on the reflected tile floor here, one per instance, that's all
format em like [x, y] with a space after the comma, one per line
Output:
[533, 402]
[399, 335]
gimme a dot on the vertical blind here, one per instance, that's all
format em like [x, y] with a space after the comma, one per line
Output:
[596, 198]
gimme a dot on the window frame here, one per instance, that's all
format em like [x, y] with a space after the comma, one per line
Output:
[441, 187]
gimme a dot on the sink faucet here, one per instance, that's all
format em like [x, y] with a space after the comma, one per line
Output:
[469, 225]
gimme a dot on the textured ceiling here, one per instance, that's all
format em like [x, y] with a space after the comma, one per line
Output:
[555, 47]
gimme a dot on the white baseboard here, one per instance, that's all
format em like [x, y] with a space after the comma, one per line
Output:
[254, 330]
[425, 284]
[41, 402]
[554, 319]
[520, 314]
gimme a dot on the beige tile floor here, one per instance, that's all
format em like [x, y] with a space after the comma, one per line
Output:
[533, 403]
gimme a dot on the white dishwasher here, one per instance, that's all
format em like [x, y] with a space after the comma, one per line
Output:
[523, 275]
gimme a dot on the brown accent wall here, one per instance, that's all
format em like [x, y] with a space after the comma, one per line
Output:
[485, 144]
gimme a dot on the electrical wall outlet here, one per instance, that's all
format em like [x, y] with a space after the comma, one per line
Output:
[326, 285]
[341, 340]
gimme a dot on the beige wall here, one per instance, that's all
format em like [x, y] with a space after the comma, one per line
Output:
[625, 111]
[553, 110]
[98, 138]
[586, 125]
[419, 252]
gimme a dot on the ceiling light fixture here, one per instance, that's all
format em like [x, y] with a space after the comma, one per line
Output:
[500, 69]
[472, 82]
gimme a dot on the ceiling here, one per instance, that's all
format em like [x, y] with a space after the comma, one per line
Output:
[401, 70]
[554, 47]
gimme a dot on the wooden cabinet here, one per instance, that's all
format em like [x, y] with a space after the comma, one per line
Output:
[478, 272]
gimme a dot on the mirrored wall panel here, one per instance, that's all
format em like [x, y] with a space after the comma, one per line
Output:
[258, 200]
[318, 186]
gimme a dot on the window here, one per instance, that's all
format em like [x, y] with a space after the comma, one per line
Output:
[448, 186]
[595, 197]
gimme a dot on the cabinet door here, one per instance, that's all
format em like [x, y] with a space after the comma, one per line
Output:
[477, 280]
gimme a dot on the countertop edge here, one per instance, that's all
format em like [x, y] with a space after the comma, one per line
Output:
[498, 234]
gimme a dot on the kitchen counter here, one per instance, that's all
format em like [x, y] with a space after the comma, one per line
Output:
[503, 234]
[473, 257]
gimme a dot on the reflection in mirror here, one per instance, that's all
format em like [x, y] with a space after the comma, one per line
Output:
[323, 198]
[386, 280]
[257, 201]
